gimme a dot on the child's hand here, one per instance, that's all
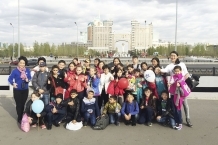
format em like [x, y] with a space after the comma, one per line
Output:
[139, 85]
[102, 115]
[142, 107]
[41, 91]
[111, 78]
[71, 103]
[116, 80]
[178, 85]
[158, 117]
[97, 117]
[65, 75]
[74, 121]
[117, 110]
[30, 119]
[54, 110]
[127, 117]
[49, 82]
[38, 115]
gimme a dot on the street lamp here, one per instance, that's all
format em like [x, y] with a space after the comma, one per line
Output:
[77, 41]
[145, 35]
[176, 26]
[13, 41]
[18, 28]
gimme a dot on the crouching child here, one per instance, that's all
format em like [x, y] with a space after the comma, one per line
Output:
[112, 108]
[90, 108]
[56, 111]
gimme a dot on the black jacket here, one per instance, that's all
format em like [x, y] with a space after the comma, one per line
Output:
[29, 112]
[169, 108]
[61, 109]
[73, 109]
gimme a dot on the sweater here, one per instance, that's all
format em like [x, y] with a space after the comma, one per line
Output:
[130, 108]
[111, 108]
[15, 78]
[94, 82]
[90, 104]
[40, 81]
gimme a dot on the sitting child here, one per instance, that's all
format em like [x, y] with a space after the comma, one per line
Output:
[73, 107]
[90, 108]
[165, 110]
[148, 107]
[130, 110]
[113, 110]
[55, 112]
[33, 117]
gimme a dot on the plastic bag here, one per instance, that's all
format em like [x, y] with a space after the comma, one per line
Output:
[25, 126]
[76, 126]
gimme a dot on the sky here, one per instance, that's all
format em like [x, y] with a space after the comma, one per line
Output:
[53, 21]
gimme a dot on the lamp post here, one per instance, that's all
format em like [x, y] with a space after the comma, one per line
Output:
[176, 26]
[18, 28]
[13, 41]
[145, 35]
[77, 40]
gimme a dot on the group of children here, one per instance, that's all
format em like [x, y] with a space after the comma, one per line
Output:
[84, 93]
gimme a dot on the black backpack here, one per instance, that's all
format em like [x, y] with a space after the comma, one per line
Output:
[101, 123]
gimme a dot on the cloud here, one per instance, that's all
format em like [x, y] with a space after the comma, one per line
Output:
[53, 20]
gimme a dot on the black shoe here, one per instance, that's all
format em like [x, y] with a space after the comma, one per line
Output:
[85, 124]
[56, 124]
[133, 124]
[188, 122]
[117, 123]
[127, 123]
[49, 127]
[149, 124]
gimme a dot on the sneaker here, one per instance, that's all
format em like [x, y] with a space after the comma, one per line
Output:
[43, 126]
[127, 123]
[179, 127]
[149, 124]
[189, 122]
[49, 127]
[56, 124]
[133, 123]
[85, 124]
[174, 127]
[34, 125]
[117, 123]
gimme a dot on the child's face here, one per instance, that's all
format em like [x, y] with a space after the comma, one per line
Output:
[101, 65]
[130, 69]
[55, 71]
[86, 64]
[150, 68]
[92, 72]
[119, 73]
[96, 62]
[90, 95]
[40, 61]
[42, 69]
[135, 60]
[75, 61]
[78, 70]
[106, 70]
[148, 93]
[111, 100]
[61, 65]
[154, 62]
[120, 67]
[58, 100]
[157, 70]
[72, 67]
[137, 74]
[130, 98]
[177, 71]
[164, 96]
[144, 67]
[73, 95]
[116, 61]
[34, 97]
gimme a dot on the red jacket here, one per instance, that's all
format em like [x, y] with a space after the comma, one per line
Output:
[113, 89]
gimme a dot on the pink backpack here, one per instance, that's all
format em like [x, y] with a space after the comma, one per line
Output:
[25, 126]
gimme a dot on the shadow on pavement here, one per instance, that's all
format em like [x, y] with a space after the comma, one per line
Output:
[8, 105]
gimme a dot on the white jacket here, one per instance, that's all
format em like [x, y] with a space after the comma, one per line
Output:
[105, 81]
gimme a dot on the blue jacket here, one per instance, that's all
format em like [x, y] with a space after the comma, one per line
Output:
[130, 108]
[90, 104]
[94, 84]
[15, 78]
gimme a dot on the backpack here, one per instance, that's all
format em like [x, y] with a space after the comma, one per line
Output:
[101, 123]
[137, 66]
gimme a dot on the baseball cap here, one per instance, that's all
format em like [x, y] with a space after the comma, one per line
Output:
[87, 60]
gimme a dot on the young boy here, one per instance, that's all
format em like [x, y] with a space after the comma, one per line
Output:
[86, 67]
[61, 66]
[113, 109]
[33, 117]
[165, 110]
[90, 108]
[135, 62]
[37, 68]
[40, 81]
[73, 107]
[56, 111]
[130, 110]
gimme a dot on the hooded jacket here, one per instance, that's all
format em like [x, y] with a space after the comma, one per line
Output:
[73, 109]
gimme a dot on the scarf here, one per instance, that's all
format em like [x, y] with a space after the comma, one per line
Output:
[23, 73]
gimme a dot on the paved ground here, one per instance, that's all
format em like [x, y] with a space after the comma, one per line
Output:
[203, 115]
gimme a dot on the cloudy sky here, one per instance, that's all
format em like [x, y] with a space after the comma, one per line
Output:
[53, 20]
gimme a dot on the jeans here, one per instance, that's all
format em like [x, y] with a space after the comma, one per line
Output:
[146, 115]
[90, 116]
[178, 116]
[46, 99]
[133, 118]
[54, 117]
[164, 119]
[114, 117]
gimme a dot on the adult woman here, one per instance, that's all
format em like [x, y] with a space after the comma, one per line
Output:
[169, 69]
[19, 78]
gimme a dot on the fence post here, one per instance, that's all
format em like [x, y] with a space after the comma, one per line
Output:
[214, 71]
[9, 70]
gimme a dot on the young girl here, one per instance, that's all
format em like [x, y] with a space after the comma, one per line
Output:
[113, 88]
[55, 81]
[180, 90]
[148, 107]
[144, 67]
[139, 84]
[160, 81]
[155, 62]
[33, 117]
[69, 79]
[116, 61]
[100, 68]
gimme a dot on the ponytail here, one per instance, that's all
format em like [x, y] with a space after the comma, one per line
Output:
[177, 61]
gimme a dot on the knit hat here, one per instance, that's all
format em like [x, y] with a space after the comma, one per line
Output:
[90, 90]
[59, 96]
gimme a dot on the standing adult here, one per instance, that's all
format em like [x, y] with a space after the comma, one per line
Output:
[19, 78]
[169, 69]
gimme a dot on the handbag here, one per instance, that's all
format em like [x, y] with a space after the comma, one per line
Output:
[25, 126]
[58, 90]
[192, 81]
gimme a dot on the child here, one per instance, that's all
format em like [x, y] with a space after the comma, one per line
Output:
[130, 69]
[90, 108]
[180, 90]
[155, 62]
[93, 83]
[160, 81]
[139, 82]
[165, 110]
[112, 108]
[135, 64]
[33, 117]
[61, 66]
[100, 68]
[76, 62]
[36, 68]
[73, 107]
[40, 81]
[96, 63]
[144, 67]
[148, 107]
[56, 111]
[130, 110]
[105, 80]
[86, 67]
